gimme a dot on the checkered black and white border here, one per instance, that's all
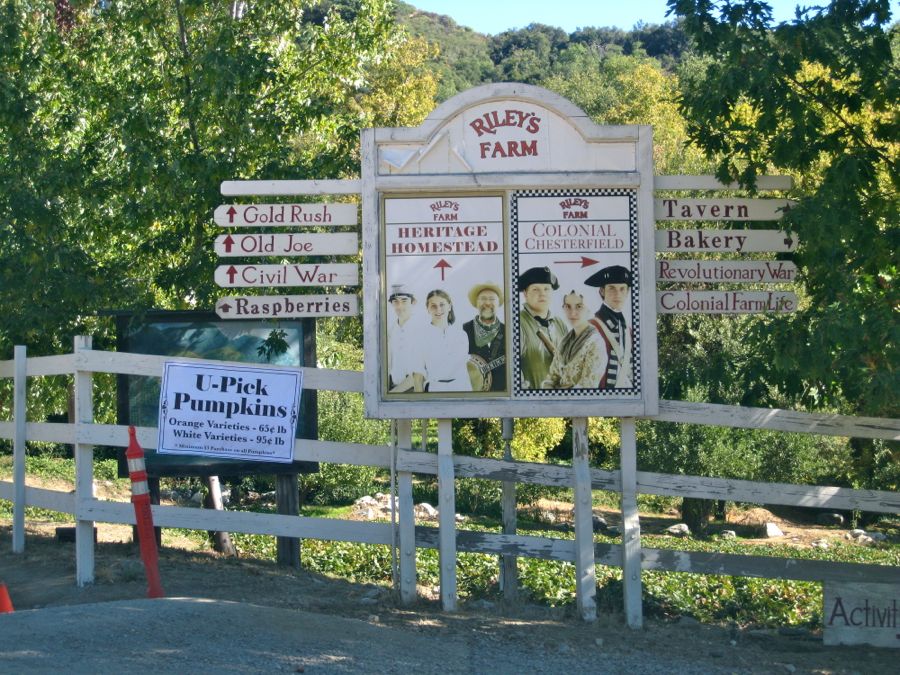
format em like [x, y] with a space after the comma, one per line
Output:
[518, 391]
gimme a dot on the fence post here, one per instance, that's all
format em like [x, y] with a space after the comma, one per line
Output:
[509, 573]
[447, 507]
[84, 470]
[631, 527]
[406, 517]
[20, 393]
[585, 570]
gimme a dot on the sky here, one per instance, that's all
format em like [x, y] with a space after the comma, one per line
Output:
[495, 16]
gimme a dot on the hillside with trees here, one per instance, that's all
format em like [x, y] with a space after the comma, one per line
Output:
[119, 121]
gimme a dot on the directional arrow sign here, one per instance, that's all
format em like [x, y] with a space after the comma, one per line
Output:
[726, 271]
[233, 276]
[337, 243]
[584, 262]
[285, 215]
[721, 209]
[442, 265]
[286, 306]
[725, 302]
[722, 241]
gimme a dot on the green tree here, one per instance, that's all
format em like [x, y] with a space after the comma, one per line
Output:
[816, 97]
[118, 124]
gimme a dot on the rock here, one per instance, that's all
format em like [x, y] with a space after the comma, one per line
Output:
[459, 518]
[789, 667]
[821, 543]
[613, 531]
[830, 519]
[857, 533]
[427, 509]
[771, 530]
[878, 536]
[599, 523]
[548, 517]
[197, 497]
[865, 540]
[679, 530]
[728, 534]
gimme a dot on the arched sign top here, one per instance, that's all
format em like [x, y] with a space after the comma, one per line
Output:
[507, 127]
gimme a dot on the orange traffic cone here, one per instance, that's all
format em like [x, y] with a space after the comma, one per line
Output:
[6, 606]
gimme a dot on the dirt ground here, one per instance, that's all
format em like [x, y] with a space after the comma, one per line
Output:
[43, 577]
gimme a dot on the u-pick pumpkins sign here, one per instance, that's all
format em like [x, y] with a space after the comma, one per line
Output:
[508, 253]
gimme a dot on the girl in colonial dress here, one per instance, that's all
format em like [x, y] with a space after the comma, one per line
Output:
[580, 360]
[445, 346]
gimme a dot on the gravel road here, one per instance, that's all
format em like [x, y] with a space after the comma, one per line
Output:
[195, 635]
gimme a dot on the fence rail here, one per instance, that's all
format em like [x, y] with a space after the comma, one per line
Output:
[84, 434]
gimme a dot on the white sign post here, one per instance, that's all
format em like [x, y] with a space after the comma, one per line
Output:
[861, 614]
[285, 215]
[230, 412]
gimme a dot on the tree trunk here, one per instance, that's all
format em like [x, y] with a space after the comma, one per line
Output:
[696, 513]
[213, 500]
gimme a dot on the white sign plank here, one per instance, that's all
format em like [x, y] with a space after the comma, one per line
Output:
[721, 209]
[233, 412]
[286, 306]
[861, 614]
[725, 302]
[285, 215]
[262, 244]
[725, 241]
[726, 271]
[242, 276]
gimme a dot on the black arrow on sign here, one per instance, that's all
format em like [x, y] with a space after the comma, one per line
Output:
[225, 307]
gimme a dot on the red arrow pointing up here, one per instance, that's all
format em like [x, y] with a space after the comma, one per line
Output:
[228, 242]
[231, 271]
[443, 265]
[584, 262]
[231, 212]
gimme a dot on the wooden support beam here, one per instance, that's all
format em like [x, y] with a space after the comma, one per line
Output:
[447, 515]
[84, 472]
[20, 392]
[585, 570]
[407, 520]
[631, 527]
[509, 573]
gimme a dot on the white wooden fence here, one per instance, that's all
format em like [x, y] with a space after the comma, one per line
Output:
[84, 434]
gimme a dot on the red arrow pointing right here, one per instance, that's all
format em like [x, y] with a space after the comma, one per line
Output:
[584, 262]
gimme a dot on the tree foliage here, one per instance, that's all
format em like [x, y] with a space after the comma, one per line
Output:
[118, 124]
[816, 97]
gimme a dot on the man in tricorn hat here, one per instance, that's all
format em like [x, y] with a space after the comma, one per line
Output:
[406, 364]
[614, 283]
[540, 331]
[487, 339]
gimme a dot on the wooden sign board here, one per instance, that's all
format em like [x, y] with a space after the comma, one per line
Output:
[726, 271]
[725, 241]
[721, 209]
[290, 244]
[725, 302]
[243, 276]
[507, 192]
[286, 306]
[285, 215]
[861, 614]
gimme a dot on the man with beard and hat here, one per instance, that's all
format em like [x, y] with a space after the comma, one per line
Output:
[487, 339]
[539, 331]
[614, 284]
